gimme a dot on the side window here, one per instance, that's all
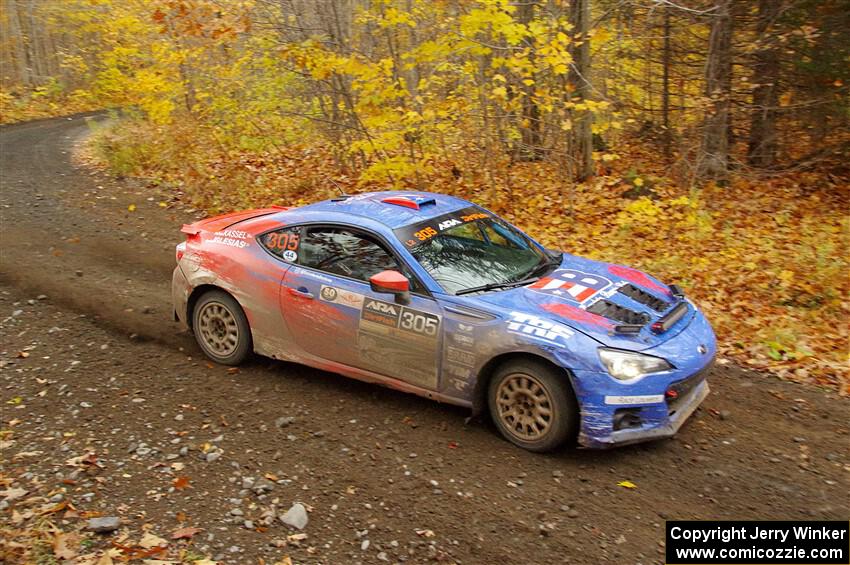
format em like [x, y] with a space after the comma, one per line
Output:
[284, 243]
[343, 252]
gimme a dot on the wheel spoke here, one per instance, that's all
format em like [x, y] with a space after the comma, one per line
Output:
[218, 329]
[524, 406]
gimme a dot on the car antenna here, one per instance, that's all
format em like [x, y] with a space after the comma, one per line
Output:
[342, 193]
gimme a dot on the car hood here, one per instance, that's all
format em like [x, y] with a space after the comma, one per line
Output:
[594, 298]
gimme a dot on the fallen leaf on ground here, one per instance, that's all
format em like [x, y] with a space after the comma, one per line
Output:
[626, 484]
[11, 494]
[63, 545]
[181, 482]
[185, 533]
[150, 540]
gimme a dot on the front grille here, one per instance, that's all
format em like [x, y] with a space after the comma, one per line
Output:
[643, 297]
[616, 312]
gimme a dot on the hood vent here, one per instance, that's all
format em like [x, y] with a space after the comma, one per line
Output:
[643, 297]
[616, 312]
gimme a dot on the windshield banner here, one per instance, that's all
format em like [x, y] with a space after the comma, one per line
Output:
[415, 234]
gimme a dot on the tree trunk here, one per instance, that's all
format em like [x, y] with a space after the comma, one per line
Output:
[18, 40]
[713, 160]
[665, 85]
[580, 79]
[531, 147]
[761, 151]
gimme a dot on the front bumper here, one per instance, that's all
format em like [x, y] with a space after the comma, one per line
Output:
[655, 406]
[657, 421]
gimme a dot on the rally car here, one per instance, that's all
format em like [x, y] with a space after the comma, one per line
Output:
[434, 295]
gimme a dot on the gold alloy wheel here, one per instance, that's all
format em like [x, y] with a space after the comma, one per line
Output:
[218, 328]
[524, 407]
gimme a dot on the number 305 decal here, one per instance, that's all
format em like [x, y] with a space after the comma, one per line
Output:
[419, 322]
[282, 241]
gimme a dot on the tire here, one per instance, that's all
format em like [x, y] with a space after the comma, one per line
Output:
[221, 328]
[533, 405]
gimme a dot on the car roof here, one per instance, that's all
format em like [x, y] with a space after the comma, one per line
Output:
[392, 208]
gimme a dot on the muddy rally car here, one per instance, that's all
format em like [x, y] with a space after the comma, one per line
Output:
[433, 295]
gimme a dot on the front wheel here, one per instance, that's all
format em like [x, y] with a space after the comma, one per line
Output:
[533, 405]
[221, 328]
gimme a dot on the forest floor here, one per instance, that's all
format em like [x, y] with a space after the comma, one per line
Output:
[109, 410]
[764, 257]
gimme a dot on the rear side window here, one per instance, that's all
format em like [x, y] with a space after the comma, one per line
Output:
[283, 243]
[343, 252]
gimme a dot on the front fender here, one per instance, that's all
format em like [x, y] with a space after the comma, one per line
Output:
[525, 335]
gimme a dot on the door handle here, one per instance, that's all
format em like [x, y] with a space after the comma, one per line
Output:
[301, 292]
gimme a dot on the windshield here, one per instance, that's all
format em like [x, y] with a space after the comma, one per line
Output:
[470, 248]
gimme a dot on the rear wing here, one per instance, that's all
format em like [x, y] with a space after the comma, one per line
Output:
[225, 221]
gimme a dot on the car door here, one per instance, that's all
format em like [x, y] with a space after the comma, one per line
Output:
[334, 315]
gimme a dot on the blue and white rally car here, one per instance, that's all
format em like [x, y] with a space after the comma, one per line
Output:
[434, 295]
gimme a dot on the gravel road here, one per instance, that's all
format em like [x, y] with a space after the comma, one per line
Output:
[91, 363]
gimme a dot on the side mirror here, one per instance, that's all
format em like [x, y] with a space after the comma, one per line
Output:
[391, 282]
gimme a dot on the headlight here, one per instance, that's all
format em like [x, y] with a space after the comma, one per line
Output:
[626, 365]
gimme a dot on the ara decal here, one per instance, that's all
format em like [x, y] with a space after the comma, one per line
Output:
[571, 285]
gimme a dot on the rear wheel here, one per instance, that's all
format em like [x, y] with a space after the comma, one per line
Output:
[221, 328]
[533, 405]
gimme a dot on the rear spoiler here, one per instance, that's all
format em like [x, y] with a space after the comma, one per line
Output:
[225, 221]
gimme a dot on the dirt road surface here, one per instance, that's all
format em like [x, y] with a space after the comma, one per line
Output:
[91, 363]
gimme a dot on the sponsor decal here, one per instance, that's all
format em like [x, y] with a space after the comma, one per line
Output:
[458, 371]
[462, 339]
[455, 355]
[571, 285]
[290, 255]
[608, 293]
[627, 400]
[460, 385]
[538, 328]
[450, 223]
[380, 312]
[341, 296]
[577, 314]
[297, 271]
[465, 327]
[638, 278]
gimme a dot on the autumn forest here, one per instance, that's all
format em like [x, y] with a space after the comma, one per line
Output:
[705, 141]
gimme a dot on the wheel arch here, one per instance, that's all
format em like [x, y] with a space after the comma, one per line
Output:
[197, 293]
[485, 374]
